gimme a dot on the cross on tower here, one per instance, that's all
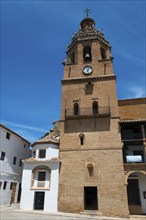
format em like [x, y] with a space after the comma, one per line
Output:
[87, 12]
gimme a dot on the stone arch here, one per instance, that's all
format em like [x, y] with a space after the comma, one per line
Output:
[87, 55]
[39, 168]
[134, 182]
[128, 173]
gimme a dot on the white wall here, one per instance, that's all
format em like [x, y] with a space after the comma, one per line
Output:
[51, 194]
[51, 150]
[10, 172]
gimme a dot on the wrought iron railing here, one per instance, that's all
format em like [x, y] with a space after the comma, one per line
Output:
[104, 110]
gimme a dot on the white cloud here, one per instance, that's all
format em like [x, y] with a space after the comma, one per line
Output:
[137, 91]
[24, 126]
[31, 138]
[30, 133]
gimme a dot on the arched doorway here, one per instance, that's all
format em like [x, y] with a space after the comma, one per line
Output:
[136, 192]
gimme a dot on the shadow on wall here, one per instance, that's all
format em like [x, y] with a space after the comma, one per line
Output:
[87, 125]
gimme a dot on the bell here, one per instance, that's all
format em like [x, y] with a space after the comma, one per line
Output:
[87, 55]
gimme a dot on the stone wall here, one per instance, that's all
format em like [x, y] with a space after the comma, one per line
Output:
[132, 108]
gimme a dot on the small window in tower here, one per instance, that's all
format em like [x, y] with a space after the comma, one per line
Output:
[87, 54]
[90, 170]
[95, 107]
[42, 153]
[103, 53]
[76, 108]
[82, 139]
[73, 58]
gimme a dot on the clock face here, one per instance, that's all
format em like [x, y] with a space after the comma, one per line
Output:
[87, 70]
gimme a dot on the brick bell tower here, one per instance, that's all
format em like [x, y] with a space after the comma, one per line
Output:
[91, 172]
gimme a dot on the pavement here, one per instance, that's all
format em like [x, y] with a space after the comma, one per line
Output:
[8, 212]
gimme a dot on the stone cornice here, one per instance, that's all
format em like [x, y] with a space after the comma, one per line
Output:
[88, 80]
[88, 35]
[37, 161]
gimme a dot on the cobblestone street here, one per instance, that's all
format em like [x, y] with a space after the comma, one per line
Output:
[14, 212]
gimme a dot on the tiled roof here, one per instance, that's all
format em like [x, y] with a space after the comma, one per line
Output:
[132, 120]
[52, 137]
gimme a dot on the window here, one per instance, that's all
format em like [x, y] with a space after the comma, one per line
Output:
[139, 153]
[41, 175]
[103, 54]
[82, 139]
[42, 153]
[76, 108]
[33, 153]
[8, 135]
[73, 58]
[11, 185]
[41, 179]
[0, 185]
[95, 107]
[24, 145]
[3, 155]
[5, 185]
[20, 163]
[87, 54]
[14, 160]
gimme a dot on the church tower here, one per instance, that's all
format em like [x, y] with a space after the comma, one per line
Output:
[91, 172]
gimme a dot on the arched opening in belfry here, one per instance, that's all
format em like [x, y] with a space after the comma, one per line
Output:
[103, 53]
[87, 56]
[72, 58]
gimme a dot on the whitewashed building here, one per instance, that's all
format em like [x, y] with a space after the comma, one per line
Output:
[40, 175]
[13, 149]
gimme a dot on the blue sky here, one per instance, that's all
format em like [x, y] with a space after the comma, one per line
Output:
[34, 39]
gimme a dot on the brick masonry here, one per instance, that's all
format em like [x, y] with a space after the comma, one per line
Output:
[102, 141]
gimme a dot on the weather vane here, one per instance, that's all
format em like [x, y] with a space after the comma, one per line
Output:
[87, 12]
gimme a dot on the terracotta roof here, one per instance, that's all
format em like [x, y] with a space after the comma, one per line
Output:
[46, 139]
[132, 120]
[52, 137]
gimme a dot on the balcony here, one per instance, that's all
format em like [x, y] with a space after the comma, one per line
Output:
[135, 167]
[103, 111]
[130, 137]
[41, 184]
[132, 142]
[134, 159]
